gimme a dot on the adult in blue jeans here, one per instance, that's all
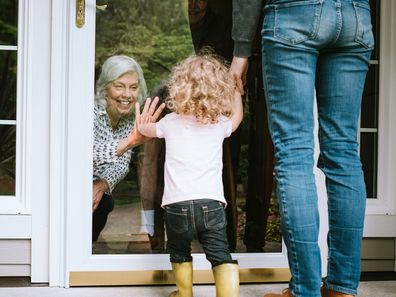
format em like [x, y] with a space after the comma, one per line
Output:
[308, 46]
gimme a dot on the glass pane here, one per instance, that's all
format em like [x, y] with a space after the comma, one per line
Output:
[375, 20]
[154, 33]
[369, 111]
[368, 156]
[158, 34]
[7, 159]
[8, 22]
[8, 75]
[210, 25]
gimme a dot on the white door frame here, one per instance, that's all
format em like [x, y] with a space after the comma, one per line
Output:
[25, 215]
[381, 212]
[72, 72]
[71, 160]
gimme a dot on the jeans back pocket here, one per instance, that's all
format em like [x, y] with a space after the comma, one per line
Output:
[364, 32]
[297, 21]
[214, 218]
[177, 219]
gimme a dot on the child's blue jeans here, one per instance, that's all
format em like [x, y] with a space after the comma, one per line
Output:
[202, 219]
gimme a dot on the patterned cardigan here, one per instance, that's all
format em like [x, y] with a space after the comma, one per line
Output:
[106, 164]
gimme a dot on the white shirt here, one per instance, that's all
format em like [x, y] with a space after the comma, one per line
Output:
[193, 159]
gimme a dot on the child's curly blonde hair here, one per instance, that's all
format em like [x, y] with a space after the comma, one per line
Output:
[201, 86]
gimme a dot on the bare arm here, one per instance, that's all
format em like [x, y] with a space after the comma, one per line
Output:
[238, 70]
[148, 129]
[150, 113]
[237, 115]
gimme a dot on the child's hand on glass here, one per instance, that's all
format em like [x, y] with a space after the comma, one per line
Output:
[145, 121]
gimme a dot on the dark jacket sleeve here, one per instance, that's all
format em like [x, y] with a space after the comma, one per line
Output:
[245, 18]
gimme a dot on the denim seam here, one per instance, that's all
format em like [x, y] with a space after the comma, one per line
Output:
[315, 26]
[225, 262]
[358, 25]
[292, 249]
[181, 261]
[193, 218]
[298, 3]
[339, 24]
[340, 289]
[279, 183]
[267, 98]
[206, 212]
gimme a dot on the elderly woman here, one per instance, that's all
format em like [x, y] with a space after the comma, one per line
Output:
[120, 85]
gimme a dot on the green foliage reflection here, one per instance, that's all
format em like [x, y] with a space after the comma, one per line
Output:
[8, 22]
[155, 33]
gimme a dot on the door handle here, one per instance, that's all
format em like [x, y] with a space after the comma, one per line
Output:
[101, 6]
[80, 13]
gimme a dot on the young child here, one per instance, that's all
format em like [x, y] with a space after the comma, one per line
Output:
[206, 109]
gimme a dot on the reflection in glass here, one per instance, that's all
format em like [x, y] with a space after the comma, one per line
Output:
[368, 156]
[7, 159]
[7, 112]
[8, 74]
[210, 28]
[375, 8]
[8, 22]
[158, 34]
[368, 140]
[369, 110]
[154, 33]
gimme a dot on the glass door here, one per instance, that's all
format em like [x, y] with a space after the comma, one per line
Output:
[130, 245]
[377, 125]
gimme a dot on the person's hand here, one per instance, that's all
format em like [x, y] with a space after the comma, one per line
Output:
[238, 70]
[98, 190]
[151, 111]
[141, 118]
[149, 114]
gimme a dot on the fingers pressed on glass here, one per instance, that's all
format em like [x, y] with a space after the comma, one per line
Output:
[158, 112]
[146, 105]
[137, 110]
[153, 105]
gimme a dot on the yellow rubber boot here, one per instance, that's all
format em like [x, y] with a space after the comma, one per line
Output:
[184, 279]
[227, 280]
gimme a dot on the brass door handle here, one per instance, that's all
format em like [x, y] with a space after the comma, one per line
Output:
[80, 13]
[101, 6]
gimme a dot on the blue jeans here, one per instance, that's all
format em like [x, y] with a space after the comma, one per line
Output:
[202, 219]
[322, 45]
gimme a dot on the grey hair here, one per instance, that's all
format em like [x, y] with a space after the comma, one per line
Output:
[113, 68]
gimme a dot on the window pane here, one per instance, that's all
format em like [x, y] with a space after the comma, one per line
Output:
[368, 156]
[8, 22]
[375, 9]
[7, 159]
[157, 35]
[369, 111]
[8, 74]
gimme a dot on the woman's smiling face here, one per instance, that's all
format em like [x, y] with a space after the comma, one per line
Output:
[122, 94]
